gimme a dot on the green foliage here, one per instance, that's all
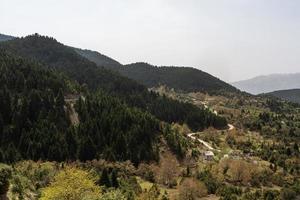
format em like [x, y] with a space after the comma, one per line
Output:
[113, 195]
[176, 141]
[281, 125]
[229, 192]
[33, 117]
[36, 126]
[130, 187]
[271, 195]
[110, 128]
[180, 78]
[104, 180]
[287, 194]
[292, 95]
[72, 184]
[5, 175]
[210, 182]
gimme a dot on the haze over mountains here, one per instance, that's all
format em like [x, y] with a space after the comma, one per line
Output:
[269, 83]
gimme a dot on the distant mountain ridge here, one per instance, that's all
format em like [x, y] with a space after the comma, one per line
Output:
[292, 95]
[180, 78]
[269, 83]
[186, 79]
[96, 57]
[5, 37]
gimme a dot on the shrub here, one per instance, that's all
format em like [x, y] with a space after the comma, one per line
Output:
[5, 175]
[72, 184]
[191, 189]
[287, 194]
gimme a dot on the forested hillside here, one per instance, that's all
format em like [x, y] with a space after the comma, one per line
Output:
[180, 78]
[64, 59]
[186, 79]
[60, 57]
[34, 123]
[292, 95]
[98, 58]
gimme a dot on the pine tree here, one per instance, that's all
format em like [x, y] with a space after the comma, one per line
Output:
[104, 180]
[114, 180]
[1, 126]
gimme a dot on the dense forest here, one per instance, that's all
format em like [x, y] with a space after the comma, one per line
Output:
[32, 118]
[292, 95]
[35, 125]
[35, 122]
[65, 59]
[180, 78]
[185, 79]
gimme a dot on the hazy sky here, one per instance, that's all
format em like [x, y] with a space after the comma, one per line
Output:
[231, 39]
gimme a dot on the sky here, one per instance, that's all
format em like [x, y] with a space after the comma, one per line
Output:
[230, 39]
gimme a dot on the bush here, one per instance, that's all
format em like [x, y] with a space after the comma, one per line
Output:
[191, 189]
[271, 195]
[72, 184]
[287, 194]
[113, 195]
[146, 172]
[5, 175]
[210, 182]
[229, 192]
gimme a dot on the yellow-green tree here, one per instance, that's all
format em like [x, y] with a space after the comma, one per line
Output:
[72, 184]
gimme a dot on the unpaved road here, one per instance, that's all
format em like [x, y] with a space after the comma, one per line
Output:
[231, 127]
[206, 144]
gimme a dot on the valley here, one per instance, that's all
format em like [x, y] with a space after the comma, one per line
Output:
[73, 129]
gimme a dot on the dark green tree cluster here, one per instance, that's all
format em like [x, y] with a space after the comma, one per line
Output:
[109, 178]
[5, 175]
[196, 118]
[114, 131]
[32, 117]
[176, 141]
[186, 79]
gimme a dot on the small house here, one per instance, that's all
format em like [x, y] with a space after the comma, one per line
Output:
[209, 155]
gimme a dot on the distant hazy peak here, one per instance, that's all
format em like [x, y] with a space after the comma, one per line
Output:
[4, 37]
[269, 83]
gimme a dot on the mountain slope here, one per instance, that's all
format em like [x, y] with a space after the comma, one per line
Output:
[34, 122]
[180, 78]
[292, 95]
[98, 58]
[5, 37]
[273, 82]
[60, 57]
[64, 59]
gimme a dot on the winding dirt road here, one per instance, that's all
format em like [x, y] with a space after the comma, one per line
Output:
[206, 144]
